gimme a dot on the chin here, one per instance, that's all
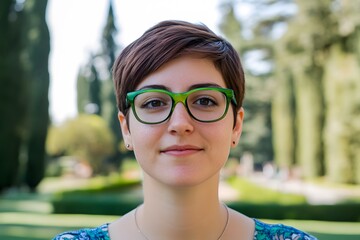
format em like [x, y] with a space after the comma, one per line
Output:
[185, 180]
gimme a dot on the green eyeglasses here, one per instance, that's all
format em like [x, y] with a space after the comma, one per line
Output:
[153, 106]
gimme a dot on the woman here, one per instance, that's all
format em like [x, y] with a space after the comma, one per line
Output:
[179, 91]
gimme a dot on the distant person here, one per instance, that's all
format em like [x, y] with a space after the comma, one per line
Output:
[179, 91]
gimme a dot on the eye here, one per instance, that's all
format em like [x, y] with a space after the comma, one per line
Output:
[205, 101]
[153, 103]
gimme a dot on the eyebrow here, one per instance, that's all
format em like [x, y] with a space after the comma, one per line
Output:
[199, 85]
[155, 86]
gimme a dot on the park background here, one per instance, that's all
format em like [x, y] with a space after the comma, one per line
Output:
[301, 142]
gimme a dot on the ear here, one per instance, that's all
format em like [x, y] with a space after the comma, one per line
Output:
[125, 130]
[237, 130]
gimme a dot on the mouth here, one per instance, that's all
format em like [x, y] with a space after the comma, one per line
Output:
[181, 150]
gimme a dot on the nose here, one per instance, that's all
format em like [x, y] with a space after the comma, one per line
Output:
[180, 121]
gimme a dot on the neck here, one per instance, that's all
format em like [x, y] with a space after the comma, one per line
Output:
[191, 212]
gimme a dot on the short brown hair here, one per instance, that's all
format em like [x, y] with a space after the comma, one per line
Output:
[169, 40]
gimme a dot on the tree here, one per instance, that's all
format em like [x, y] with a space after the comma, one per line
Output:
[257, 135]
[87, 137]
[89, 88]
[94, 89]
[326, 131]
[100, 68]
[24, 76]
[315, 65]
[109, 50]
[341, 70]
[82, 90]
[12, 91]
[36, 62]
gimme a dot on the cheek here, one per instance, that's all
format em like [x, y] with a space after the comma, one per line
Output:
[221, 132]
[143, 135]
[145, 143]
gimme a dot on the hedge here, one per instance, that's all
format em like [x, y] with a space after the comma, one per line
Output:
[87, 204]
[349, 212]
[119, 205]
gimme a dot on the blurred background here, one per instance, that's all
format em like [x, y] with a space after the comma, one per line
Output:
[61, 149]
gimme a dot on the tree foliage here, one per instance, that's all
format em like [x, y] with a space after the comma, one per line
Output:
[257, 135]
[323, 137]
[312, 48]
[24, 49]
[12, 92]
[36, 56]
[100, 65]
[87, 137]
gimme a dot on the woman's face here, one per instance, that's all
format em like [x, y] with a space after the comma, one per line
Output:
[182, 151]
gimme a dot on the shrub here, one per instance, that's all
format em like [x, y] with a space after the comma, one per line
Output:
[347, 212]
[87, 137]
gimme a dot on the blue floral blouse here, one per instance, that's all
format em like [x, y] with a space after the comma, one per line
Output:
[263, 231]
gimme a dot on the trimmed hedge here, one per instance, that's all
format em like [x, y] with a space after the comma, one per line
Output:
[104, 186]
[347, 212]
[121, 196]
[115, 196]
[123, 203]
[87, 204]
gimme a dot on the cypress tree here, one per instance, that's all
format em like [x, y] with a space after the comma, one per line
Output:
[108, 53]
[97, 79]
[257, 136]
[283, 119]
[12, 91]
[37, 55]
[316, 101]
[342, 86]
[82, 86]
[95, 89]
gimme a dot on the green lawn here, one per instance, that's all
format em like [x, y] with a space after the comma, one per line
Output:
[34, 226]
[31, 226]
[29, 216]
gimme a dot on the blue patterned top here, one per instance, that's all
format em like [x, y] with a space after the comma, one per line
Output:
[263, 231]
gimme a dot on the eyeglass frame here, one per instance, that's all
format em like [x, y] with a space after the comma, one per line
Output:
[180, 97]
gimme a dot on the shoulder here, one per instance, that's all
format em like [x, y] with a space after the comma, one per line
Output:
[279, 231]
[100, 232]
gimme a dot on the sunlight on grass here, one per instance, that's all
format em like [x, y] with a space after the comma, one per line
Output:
[28, 226]
[56, 185]
[22, 233]
[322, 181]
[351, 192]
[25, 206]
[58, 220]
[253, 193]
[27, 217]
[341, 228]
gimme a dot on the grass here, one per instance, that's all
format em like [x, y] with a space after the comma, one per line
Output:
[249, 193]
[31, 226]
[114, 182]
[29, 217]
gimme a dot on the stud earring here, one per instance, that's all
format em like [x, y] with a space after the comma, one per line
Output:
[127, 145]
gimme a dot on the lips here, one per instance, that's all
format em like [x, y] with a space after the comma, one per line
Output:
[181, 150]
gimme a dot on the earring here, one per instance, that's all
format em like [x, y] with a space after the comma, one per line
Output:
[128, 146]
[233, 142]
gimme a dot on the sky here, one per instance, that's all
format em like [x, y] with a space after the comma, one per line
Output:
[75, 32]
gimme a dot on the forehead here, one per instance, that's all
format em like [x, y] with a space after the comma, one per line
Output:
[180, 74]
